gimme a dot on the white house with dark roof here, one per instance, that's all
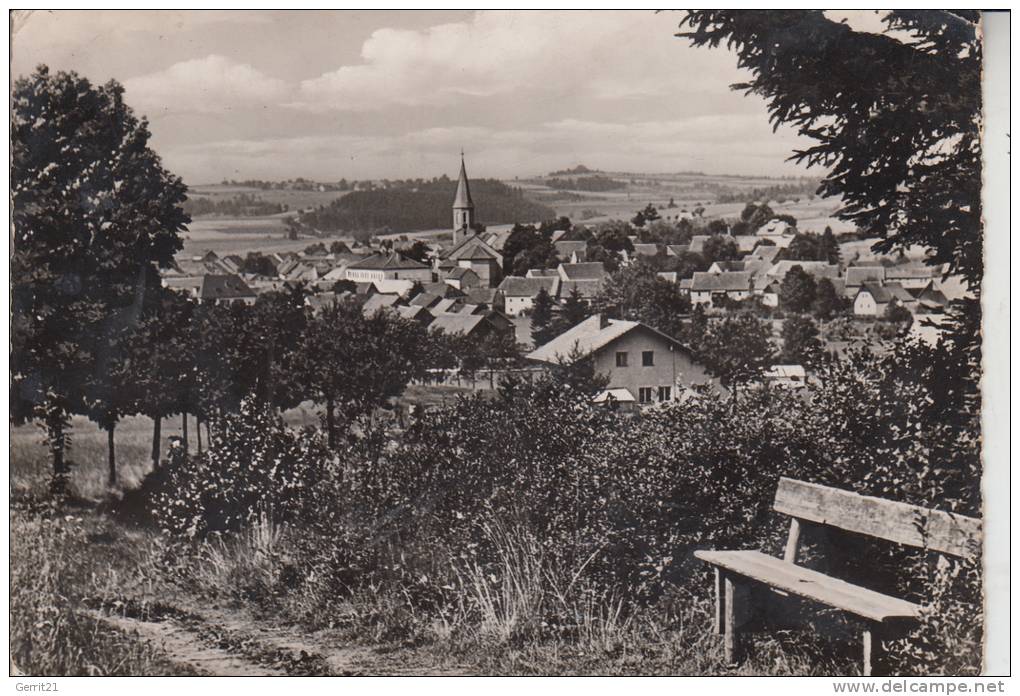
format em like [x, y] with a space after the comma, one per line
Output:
[646, 364]
[519, 293]
[873, 299]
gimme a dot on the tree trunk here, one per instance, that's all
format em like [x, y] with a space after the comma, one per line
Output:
[55, 441]
[184, 431]
[198, 433]
[330, 423]
[111, 455]
[157, 426]
[208, 434]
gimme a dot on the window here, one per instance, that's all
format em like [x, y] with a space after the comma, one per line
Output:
[645, 395]
[647, 358]
[621, 359]
[665, 393]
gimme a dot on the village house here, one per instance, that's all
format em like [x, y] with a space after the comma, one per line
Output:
[713, 288]
[225, 289]
[474, 254]
[677, 249]
[391, 266]
[462, 278]
[765, 252]
[874, 299]
[379, 301]
[519, 293]
[912, 276]
[816, 269]
[647, 365]
[572, 252]
[856, 276]
[475, 327]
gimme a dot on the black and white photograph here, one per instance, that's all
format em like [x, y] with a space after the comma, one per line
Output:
[442, 343]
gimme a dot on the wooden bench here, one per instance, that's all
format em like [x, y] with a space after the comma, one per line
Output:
[741, 574]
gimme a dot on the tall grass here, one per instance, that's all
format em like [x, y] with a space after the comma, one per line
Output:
[57, 566]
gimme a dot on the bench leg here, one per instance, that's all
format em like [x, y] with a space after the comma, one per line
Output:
[875, 664]
[735, 613]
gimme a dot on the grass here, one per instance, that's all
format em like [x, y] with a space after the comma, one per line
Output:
[59, 564]
[64, 563]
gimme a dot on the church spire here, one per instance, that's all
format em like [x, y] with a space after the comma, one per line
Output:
[463, 206]
[463, 197]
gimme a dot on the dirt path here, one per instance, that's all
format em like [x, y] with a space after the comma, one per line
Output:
[181, 646]
[228, 642]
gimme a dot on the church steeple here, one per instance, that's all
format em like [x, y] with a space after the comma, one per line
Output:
[463, 206]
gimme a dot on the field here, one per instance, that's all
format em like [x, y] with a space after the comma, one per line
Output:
[239, 235]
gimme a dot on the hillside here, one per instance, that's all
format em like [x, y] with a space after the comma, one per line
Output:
[423, 207]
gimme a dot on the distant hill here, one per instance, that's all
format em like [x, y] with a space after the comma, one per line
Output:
[424, 207]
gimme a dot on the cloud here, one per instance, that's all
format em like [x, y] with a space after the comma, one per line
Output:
[214, 84]
[611, 55]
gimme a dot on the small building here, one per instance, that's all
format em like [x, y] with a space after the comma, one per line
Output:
[816, 269]
[225, 289]
[856, 276]
[391, 266]
[776, 228]
[912, 276]
[651, 366]
[766, 253]
[677, 249]
[572, 252]
[873, 299]
[474, 253]
[379, 301]
[786, 376]
[477, 327]
[647, 250]
[593, 270]
[519, 293]
[713, 288]
[462, 278]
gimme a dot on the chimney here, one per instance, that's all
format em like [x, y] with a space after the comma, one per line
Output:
[603, 320]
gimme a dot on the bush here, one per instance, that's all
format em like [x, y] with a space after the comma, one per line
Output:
[484, 517]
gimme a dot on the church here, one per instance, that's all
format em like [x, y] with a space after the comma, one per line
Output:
[469, 250]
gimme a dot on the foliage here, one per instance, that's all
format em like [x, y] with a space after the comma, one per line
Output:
[801, 344]
[542, 328]
[241, 205]
[354, 364]
[636, 293]
[257, 263]
[422, 208]
[806, 246]
[596, 183]
[756, 215]
[94, 213]
[908, 169]
[719, 248]
[736, 348]
[797, 291]
[255, 466]
[827, 302]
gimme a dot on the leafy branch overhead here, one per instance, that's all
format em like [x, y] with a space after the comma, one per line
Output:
[896, 116]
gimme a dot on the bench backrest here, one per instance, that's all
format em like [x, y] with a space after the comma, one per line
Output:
[910, 525]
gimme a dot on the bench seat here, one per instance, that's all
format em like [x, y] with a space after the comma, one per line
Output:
[811, 584]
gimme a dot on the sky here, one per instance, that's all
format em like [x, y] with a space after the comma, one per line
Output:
[380, 94]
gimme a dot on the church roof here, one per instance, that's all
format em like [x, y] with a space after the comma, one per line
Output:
[463, 197]
[473, 248]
